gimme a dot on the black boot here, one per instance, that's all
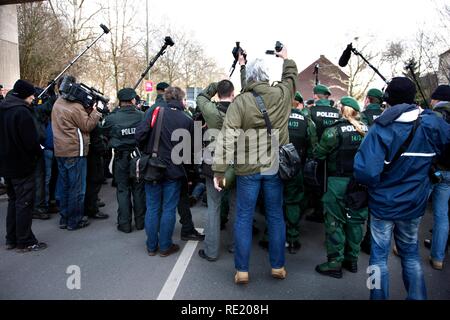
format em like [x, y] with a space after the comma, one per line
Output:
[351, 266]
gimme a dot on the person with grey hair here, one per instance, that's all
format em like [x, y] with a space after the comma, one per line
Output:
[254, 162]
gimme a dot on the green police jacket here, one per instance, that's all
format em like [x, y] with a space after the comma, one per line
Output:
[372, 112]
[298, 131]
[338, 146]
[120, 127]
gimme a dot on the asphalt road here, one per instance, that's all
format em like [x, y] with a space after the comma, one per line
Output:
[114, 265]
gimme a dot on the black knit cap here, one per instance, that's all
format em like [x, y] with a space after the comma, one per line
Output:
[442, 93]
[400, 90]
[23, 89]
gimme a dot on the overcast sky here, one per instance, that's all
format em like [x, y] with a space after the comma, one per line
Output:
[307, 28]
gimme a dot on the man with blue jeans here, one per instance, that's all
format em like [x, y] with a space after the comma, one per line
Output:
[71, 124]
[394, 161]
[162, 196]
[440, 100]
[254, 159]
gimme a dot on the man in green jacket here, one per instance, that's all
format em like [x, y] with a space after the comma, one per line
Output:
[214, 115]
[120, 127]
[255, 160]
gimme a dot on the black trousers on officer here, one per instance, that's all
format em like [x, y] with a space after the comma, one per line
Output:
[21, 194]
[125, 188]
[184, 210]
[94, 183]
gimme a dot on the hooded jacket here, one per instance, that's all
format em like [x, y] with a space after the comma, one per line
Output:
[19, 143]
[400, 193]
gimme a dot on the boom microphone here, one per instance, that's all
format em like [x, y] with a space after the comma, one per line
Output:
[343, 61]
[105, 28]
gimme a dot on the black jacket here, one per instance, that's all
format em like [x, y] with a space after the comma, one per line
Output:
[19, 144]
[174, 118]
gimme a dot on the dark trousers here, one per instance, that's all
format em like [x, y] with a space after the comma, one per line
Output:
[184, 209]
[130, 194]
[21, 194]
[94, 182]
[39, 198]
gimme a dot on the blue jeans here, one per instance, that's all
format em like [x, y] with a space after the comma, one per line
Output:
[72, 174]
[441, 195]
[162, 200]
[246, 196]
[406, 239]
[48, 158]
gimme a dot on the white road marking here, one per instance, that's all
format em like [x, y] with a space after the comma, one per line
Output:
[173, 281]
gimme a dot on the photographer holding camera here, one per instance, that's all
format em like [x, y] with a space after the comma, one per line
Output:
[243, 115]
[72, 121]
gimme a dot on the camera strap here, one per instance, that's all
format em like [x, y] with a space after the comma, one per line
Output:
[158, 132]
[263, 110]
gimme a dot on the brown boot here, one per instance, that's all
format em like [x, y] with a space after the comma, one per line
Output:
[279, 273]
[241, 277]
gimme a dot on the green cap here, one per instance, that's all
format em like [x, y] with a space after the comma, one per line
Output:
[298, 97]
[350, 102]
[321, 89]
[162, 86]
[126, 94]
[375, 93]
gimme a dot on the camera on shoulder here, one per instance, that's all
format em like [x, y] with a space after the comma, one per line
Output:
[81, 93]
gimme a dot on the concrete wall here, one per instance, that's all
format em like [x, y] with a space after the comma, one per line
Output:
[9, 46]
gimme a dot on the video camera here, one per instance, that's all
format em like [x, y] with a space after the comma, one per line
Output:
[81, 93]
[278, 48]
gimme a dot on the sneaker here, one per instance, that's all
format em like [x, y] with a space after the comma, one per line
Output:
[241, 277]
[203, 255]
[330, 269]
[436, 265]
[82, 224]
[351, 266]
[35, 247]
[40, 216]
[172, 249]
[194, 236]
[279, 273]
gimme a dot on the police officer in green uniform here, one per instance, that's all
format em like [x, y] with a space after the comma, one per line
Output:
[373, 106]
[344, 227]
[322, 115]
[120, 127]
[293, 189]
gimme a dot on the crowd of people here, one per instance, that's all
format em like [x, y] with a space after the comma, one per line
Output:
[54, 156]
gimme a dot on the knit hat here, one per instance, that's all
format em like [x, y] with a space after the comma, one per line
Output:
[442, 93]
[126, 94]
[23, 89]
[400, 90]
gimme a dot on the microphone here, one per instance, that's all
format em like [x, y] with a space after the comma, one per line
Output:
[343, 61]
[105, 28]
